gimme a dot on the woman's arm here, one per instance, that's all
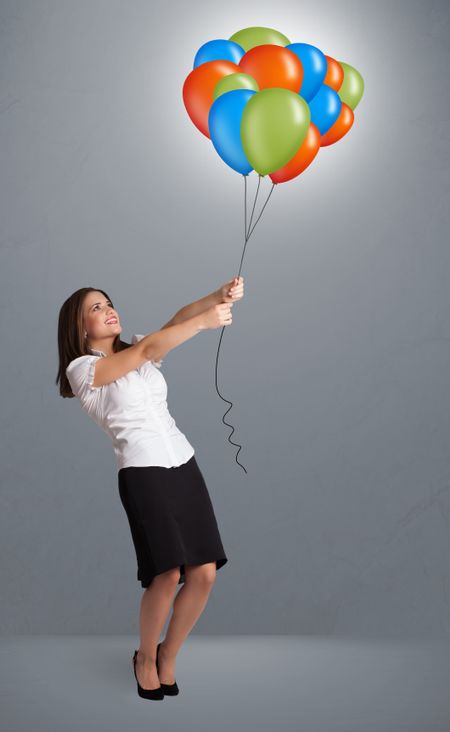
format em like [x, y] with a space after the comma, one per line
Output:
[156, 345]
[194, 308]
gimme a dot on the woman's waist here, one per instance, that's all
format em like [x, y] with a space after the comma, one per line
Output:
[165, 451]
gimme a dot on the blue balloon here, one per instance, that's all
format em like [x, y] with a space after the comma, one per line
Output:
[315, 67]
[325, 108]
[217, 50]
[224, 122]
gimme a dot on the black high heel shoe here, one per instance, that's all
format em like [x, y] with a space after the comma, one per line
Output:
[157, 693]
[168, 689]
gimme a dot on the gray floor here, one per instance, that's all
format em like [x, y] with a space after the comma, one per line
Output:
[300, 684]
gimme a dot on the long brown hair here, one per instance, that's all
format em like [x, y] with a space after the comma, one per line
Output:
[71, 341]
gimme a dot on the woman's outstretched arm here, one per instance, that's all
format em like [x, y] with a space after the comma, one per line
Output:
[228, 293]
[195, 308]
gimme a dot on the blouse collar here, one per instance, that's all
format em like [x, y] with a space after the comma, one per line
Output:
[97, 353]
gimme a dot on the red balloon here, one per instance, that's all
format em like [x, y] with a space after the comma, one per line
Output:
[302, 158]
[340, 127]
[273, 65]
[198, 90]
[335, 73]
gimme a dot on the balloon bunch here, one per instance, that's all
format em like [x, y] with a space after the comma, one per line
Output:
[269, 105]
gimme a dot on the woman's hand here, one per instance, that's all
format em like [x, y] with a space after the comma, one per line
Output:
[232, 290]
[217, 316]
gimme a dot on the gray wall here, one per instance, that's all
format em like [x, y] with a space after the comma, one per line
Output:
[338, 358]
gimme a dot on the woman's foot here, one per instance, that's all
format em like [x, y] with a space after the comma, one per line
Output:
[166, 666]
[146, 672]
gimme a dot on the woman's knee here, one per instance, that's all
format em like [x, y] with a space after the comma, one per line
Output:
[204, 574]
[170, 577]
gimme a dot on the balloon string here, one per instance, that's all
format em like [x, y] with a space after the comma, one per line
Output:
[253, 209]
[265, 203]
[247, 235]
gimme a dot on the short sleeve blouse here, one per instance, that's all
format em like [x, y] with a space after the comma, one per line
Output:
[133, 411]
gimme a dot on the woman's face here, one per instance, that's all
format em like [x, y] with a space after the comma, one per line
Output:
[99, 317]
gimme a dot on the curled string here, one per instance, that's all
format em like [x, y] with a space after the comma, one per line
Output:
[247, 234]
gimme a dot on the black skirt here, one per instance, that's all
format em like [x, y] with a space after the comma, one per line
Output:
[171, 518]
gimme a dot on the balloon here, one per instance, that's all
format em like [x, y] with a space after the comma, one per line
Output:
[224, 121]
[274, 124]
[219, 49]
[234, 81]
[273, 66]
[325, 107]
[335, 74]
[302, 158]
[257, 36]
[198, 90]
[352, 87]
[314, 65]
[340, 127]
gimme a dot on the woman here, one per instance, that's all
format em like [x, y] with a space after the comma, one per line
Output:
[171, 517]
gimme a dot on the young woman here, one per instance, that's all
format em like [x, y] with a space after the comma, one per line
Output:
[173, 526]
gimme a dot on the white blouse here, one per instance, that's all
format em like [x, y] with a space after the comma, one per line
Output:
[133, 411]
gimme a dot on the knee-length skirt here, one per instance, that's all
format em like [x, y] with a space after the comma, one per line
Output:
[171, 518]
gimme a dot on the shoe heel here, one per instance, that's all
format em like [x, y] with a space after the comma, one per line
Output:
[168, 689]
[157, 693]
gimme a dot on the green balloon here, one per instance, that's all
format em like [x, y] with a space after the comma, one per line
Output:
[257, 36]
[273, 126]
[234, 81]
[352, 87]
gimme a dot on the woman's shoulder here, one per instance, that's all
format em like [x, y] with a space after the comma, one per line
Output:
[79, 360]
[80, 374]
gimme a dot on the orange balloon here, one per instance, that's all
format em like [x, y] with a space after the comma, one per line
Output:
[335, 73]
[340, 127]
[198, 90]
[302, 158]
[273, 65]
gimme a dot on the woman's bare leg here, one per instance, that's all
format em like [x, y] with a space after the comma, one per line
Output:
[187, 608]
[156, 601]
